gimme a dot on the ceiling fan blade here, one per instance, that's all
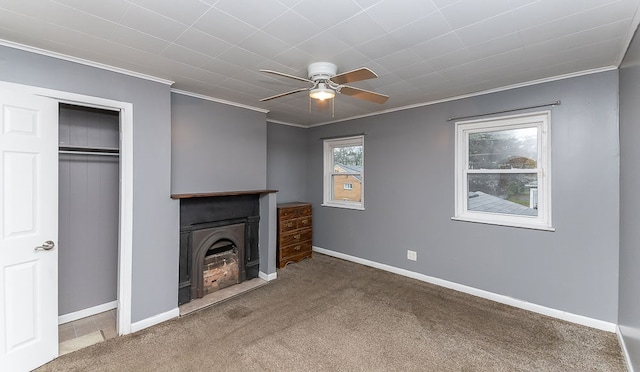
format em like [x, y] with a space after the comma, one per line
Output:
[287, 75]
[354, 75]
[364, 94]
[284, 94]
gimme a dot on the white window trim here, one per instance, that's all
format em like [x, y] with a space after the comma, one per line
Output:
[542, 120]
[328, 146]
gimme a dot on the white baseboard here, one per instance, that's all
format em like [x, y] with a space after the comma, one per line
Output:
[70, 317]
[156, 319]
[267, 277]
[559, 314]
[625, 351]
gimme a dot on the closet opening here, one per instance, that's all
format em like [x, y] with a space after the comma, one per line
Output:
[88, 225]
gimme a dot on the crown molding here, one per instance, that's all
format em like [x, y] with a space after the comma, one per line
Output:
[287, 123]
[629, 37]
[82, 61]
[217, 100]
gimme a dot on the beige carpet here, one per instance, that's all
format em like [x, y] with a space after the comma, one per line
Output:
[326, 314]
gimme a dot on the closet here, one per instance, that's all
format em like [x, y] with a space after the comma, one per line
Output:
[88, 219]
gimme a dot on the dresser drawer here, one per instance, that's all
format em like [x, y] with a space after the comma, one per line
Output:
[295, 237]
[288, 225]
[295, 249]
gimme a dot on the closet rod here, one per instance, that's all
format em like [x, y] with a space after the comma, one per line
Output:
[89, 153]
[554, 103]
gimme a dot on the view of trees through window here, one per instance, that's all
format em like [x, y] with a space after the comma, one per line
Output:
[511, 153]
[351, 155]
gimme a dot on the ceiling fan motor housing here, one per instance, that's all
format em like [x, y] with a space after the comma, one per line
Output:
[321, 70]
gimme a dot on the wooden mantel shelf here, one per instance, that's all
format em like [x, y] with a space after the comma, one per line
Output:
[223, 193]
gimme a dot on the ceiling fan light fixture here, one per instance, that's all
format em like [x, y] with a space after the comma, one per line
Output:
[322, 92]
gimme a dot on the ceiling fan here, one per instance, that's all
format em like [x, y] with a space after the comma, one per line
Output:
[325, 83]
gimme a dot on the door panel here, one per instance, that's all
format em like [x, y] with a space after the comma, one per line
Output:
[28, 219]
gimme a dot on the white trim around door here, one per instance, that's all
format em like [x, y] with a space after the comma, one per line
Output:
[125, 249]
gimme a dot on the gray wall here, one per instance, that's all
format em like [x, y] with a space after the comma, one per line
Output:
[216, 147]
[629, 307]
[155, 215]
[287, 162]
[409, 200]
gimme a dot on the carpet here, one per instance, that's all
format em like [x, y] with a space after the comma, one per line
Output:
[326, 314]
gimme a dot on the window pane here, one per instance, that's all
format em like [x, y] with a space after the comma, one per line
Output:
[347, 159]
[342, 193]
[504, 149]
[515, 194]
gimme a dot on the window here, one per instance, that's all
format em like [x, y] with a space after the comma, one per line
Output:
[344, 172]
[503, 171]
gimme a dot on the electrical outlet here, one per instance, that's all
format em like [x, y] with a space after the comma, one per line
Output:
[412, 255]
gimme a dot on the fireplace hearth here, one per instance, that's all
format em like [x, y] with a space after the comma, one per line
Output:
[218, 243]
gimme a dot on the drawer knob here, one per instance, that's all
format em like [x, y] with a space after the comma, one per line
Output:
[297, 248]
[290, 224]
[297, 236]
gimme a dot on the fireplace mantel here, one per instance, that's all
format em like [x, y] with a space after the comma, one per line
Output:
[222, 193]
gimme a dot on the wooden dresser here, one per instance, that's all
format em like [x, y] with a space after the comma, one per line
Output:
[294, 233]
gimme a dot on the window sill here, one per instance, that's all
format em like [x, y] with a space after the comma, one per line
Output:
[343, 206]
[507, 224]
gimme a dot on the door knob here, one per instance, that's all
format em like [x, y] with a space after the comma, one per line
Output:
[48, 245]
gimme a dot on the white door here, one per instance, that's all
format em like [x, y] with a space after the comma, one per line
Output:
[28, 231]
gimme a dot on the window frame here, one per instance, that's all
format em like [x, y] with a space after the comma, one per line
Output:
[540, 120]
[328, 146]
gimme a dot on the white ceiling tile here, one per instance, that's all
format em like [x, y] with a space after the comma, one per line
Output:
[223, 68]
[289, 3]
[459, 57]
[78, 20]
[139, 40]
[590, 36]
[410, 71]
[392, 14]
[255, 12]
[20, 23]
[221, 25]
[36, 8]
[519, 3]
[364, 4]
[112, 10]
[202, 42]
[187, 56]
[292, 28]
[357, 30]
[380, 47]
[496, 46]
[152, 23]
[468, 12]
[444, 3]
[398, 60]
[487, 29]
[295, 59]
[241, 57]
[184, 11]
[323, 46]
[327, 13]
[426, 28]
[264, 44]
[445, 44]
[538, 13]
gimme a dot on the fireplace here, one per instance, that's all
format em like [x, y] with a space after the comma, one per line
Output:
[218, 243]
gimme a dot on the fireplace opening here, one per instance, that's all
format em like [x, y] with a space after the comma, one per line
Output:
[221, 269]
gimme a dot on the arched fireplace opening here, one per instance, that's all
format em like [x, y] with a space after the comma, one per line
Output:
[220, 267]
